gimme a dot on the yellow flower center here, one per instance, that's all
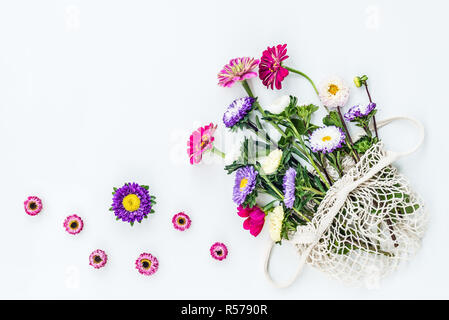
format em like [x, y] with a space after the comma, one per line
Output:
[243, 183]
[146, 264]
[333, 89]
[131, 202]
[326, 138]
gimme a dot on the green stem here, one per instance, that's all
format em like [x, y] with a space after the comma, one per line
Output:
[312, 162]
[281, 196]
[314, 165]
[256, 103]
[261, 134]
[305, 76]
[313, 190]
[216, 151]
[348, 136]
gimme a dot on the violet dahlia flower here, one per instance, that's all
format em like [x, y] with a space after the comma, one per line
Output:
[237, 111]
[132, 202]
[271, 71]
[359, 111]
[147, 264]
[238, 69]
[255, 219]
[245, 182]
[289, 187]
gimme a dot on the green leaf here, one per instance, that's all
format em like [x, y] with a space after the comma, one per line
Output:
[305, 112]
[259, 125]
[332, 119]
[300, 126]
[363, 144]
[269, 206]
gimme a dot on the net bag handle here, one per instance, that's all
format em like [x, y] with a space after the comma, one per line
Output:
[391, 156]
[418, 126]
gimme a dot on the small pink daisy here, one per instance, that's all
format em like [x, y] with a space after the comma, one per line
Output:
[33, 205]
[219, 251]
[98, 259]
[200, 141]
[237, 69]
[147, 264]
[181, 221]
[73, 224]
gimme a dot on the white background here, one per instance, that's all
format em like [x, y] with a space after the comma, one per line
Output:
[97, 93]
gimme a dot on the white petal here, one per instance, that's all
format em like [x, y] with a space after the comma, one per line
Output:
[278, 105]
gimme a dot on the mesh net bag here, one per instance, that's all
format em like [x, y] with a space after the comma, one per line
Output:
[368, 222]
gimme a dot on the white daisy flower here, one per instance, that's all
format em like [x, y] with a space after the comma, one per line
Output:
[333, 92]
[271, 163]
[327, 139]
[275, 219]
[278, 105]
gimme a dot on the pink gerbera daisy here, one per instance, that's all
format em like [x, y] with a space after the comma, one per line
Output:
[73, 224]
[237, 69]
[98, 259]
[181, 221]
[200, 141]
[255, 219]
[33, 205]
[270, 68]
[147, 264]
[219, 251]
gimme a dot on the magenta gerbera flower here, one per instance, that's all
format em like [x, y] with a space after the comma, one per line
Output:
[271, 71]
[219, 251]
[200, 141]
[98, 259]
[237, 69]
[181, 221]
[33, 205]
[147, 264]
[73, 224]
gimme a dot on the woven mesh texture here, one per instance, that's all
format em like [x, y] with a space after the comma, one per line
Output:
[369, 221]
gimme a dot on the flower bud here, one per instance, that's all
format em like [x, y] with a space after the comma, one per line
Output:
[358, 82]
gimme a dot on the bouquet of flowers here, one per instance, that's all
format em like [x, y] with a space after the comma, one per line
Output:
[339, 200]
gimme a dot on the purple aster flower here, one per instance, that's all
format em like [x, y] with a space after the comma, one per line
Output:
[132, 202]
[358, 111]
[289, 187]
[245, 182]
[237, 110]
[327, 139]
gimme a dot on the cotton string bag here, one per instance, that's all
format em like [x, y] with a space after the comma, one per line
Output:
[368, 222]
